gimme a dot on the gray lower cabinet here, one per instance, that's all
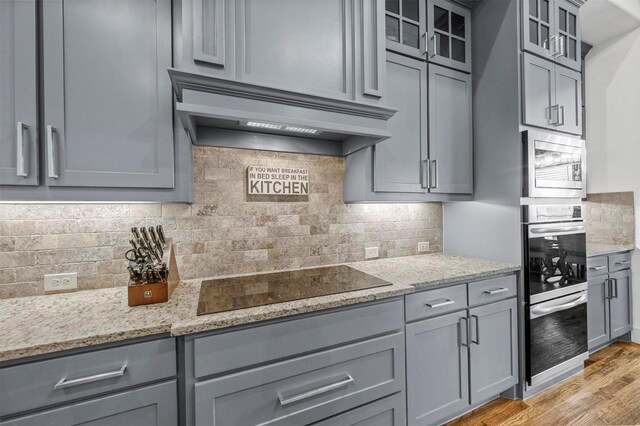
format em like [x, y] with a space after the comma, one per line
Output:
[155, 405]
[609, 304]
[437, 368]
[299, 371]
[551, 96]
[460, 360]
[390, 411]
[326, 48]
[18, 97]
[107, 96]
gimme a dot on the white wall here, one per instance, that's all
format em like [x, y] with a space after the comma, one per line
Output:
[613, 129]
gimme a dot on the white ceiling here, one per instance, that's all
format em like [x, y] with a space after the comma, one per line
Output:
[602, 20]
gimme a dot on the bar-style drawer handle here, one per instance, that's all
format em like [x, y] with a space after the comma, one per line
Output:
[446, 302]
[623, 262]
[597, 268]
[315, 392]
[497, 291]
[64, 383]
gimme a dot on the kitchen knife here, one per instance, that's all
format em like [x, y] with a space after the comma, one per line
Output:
[135, 233]
[158, 247]
[154, 236]
[161, 234]
[145, 236]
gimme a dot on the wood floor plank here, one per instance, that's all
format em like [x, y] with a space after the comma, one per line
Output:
[607, 392]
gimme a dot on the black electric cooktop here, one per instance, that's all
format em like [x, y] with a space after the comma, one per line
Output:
[227, 294]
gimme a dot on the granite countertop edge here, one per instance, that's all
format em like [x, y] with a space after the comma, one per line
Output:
[604, 249]
[178, 316]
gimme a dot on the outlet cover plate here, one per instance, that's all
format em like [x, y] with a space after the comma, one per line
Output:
[60, 282]
[371, 252]
[423, 247]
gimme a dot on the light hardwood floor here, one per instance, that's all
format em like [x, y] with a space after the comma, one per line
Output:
[607, 392]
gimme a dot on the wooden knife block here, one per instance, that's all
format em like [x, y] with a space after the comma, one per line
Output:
[149, 293]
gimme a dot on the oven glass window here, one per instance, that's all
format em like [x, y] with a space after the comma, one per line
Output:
[556, 262]
[555, 169]
[557, 337]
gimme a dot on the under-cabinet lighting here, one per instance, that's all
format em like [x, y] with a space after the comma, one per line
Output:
[284, 127]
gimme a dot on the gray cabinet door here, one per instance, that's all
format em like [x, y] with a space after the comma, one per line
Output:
[598, 312]
[538, 89]
[569, 100]
[493, 347]
[406, 27]
[620, 303]
[449, 30]
[450, 131]
[538, 27]
[437, 368]
[568, 33]
[150, 406]
[18, 97]
[390, 411]
[398, 161]
[107, 94]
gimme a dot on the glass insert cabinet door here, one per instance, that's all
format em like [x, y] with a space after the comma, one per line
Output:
[449, 32]
[404, 28]
[568, 33]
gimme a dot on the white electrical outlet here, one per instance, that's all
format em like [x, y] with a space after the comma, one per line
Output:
[423, 247]
[371, 252]
[61, 282]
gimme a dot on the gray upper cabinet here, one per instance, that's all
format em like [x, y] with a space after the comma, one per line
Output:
[450, 132]
[398, 161]
[551, 96]
[18, 97]
[493, 345]
[107, 96]
[406, 27]
[438, 368]
[550, 29]
[449, 32]
[620, 303]
[326, 48]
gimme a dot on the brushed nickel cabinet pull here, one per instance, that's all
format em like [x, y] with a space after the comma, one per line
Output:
[64, 383]
[315, 392]
[446, 302]
[497, 290]
[52, 166]
[22, 154]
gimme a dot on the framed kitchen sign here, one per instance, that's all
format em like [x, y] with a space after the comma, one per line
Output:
[288, 181]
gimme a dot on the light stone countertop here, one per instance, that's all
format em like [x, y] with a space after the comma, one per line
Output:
[44, 324]
[600, 249]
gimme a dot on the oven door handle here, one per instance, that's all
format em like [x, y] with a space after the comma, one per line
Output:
[539, 311]
[557, 230]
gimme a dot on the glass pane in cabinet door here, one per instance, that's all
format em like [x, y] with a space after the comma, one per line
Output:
[572, 24]
[562, 19]
[533, 31]
[544, 36]
[392, 28]
[533, 8]
[544, 10]
[572, 49]
[410, 9]
[441, 19]
[410, 34]
[457, 25]
[442, 45]
[392, 6]
[458, 50]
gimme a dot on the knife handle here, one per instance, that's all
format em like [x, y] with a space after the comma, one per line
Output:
[160, 230]
[154, 237]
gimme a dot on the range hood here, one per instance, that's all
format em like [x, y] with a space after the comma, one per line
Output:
[221, 112]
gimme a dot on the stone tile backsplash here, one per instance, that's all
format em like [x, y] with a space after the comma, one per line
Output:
[610, 218]
[224, 232]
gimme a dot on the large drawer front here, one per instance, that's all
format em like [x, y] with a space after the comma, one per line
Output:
[305, 389]
[435, 302]
[597, 266]
[256, 345]
[619, 262]
[389, 411]
[492, 290]
[60, 380]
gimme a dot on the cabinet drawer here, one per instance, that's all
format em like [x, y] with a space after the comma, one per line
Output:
[389, 411]
[597, 266]
[435, 302]
[619, 262]
[305, 389]
[492, 290]
[257, 345]
[60, 380]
